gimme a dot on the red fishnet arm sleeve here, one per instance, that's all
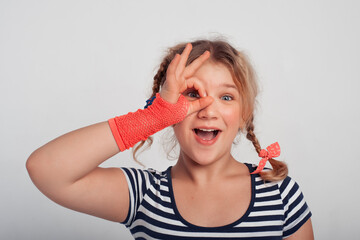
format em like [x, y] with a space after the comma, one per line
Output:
[136, 126]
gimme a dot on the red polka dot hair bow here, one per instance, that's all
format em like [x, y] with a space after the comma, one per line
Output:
[270, 152]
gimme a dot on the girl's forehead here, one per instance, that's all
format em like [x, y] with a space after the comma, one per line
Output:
[213, 74]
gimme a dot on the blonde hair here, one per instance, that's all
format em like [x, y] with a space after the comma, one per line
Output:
[244, 78]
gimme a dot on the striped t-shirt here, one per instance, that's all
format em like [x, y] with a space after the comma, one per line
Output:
[276, 210]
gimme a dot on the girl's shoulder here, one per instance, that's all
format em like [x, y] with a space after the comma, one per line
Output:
[287, 187]
[145, 184]
[145, 177]
[284, 196]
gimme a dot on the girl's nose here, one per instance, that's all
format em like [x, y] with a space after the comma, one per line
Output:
[209, 112]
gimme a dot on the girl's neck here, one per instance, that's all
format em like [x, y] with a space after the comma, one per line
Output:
[189, 170]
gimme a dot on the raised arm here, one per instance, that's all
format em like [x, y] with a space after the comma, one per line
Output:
[66, 169]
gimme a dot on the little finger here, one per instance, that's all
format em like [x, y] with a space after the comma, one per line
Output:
[183, 59]
[173, 65]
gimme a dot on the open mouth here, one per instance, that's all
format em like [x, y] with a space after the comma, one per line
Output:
[206, 134]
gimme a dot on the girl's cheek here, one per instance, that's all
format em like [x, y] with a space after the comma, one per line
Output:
[232, 115]
[231, 112]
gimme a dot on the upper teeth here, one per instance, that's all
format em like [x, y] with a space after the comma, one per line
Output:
[207, 130]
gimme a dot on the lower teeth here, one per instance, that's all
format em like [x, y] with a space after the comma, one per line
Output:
[206, 135]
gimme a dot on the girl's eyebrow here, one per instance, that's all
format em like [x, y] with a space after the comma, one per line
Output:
[228, 85]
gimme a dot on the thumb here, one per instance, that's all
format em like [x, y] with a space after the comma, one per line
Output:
[199, 104]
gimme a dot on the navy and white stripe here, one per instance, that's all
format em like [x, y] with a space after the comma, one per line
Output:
[277, 210]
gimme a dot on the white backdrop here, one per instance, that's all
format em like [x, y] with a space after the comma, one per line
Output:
[67, 64]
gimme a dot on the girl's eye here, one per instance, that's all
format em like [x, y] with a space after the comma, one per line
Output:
[227, 98]
[193, 94]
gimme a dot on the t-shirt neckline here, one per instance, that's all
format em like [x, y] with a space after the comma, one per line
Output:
[236, 222]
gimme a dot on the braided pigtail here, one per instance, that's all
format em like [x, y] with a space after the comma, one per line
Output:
[159, 80]
[279, 169]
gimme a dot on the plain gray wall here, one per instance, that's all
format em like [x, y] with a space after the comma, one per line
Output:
[68, 64]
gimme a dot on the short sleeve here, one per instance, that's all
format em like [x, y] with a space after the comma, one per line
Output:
[296, 209]
[139, 182]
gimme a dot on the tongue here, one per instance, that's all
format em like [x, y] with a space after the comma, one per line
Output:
[205, 135]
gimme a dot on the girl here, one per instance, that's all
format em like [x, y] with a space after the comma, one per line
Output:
[206, 91]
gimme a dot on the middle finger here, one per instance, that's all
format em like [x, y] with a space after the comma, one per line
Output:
[196, 64]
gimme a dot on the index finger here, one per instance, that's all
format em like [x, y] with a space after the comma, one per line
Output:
[195, 65]
[197, 85]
